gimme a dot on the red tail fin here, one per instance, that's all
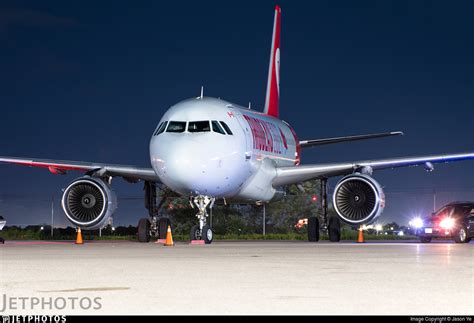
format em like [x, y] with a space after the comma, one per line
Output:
[273, 85]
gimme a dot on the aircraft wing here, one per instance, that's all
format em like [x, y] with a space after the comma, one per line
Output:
[298, 174]
[129, 173]
[336, 140]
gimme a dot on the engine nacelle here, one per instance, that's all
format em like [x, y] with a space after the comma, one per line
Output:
[89, 202]
[358, 199]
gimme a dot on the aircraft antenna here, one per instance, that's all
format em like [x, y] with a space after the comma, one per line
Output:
[202, 92]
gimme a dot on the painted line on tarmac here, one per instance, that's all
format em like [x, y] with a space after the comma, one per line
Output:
[31, 243]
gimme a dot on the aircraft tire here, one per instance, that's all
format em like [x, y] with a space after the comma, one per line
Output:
[313, 229]
[144, 230]
[163, 224]
[334, 229]
[207, 234]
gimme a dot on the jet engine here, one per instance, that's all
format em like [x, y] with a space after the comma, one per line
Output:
[358, 199]
[89, 202]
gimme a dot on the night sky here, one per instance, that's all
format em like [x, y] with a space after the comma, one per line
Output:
[89, 80]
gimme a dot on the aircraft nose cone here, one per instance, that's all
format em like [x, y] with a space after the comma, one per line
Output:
[180, 167]
[192, 166]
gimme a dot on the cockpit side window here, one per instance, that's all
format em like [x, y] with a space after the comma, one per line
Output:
[216, 127]
[176, 126]
[199, 126]
[157, 129]
[161, 128]
[226, 127]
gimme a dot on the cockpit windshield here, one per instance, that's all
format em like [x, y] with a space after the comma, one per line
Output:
[176, 126]
[199, 126]
[219, 127]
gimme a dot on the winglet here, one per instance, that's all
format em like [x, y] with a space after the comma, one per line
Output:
[273, 84]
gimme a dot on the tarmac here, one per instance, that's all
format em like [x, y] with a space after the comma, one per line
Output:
[384, 278]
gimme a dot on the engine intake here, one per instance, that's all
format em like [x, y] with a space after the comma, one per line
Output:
[358, 199]
[89, 202]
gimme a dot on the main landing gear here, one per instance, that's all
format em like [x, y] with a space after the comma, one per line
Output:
[331, 225]
[202, 231]
[153, 226]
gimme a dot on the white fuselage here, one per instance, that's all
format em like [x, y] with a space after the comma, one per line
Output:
[212, 162]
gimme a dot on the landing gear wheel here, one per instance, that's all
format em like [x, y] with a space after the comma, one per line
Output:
[163, 224]
[2, 241]
[334, 229]
[461, 236]
[313, 229]
[195, 233]
[144, 230]
[207, 234]
[425, 239]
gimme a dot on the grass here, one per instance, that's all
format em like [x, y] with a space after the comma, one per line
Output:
[351, 235]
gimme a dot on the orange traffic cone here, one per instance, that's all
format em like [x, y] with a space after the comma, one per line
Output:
[169, 238]
[79, 237]
[360, 238]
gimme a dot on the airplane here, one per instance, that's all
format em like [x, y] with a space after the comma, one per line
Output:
[209, 149]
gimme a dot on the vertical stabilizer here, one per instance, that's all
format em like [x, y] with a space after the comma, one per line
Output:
[273, 85]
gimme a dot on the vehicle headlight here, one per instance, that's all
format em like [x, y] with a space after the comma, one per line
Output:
[447, 223]
[417, 223]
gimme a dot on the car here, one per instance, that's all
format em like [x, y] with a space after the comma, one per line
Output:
[454, 220]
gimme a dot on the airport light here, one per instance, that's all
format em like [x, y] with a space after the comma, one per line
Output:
[378, 227]
[401, 233]
[314, 198]
[42, 228]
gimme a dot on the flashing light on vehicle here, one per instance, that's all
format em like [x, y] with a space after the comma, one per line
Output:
[447, 223]
[416, 223]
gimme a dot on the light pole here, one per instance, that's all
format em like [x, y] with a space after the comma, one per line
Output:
[52, 216]
[264, 219]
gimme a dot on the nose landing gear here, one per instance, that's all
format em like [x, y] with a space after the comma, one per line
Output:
[202, 231]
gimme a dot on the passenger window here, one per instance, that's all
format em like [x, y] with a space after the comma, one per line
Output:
[226, 127]
[216, 127]
[199, 126]
[176, 126]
